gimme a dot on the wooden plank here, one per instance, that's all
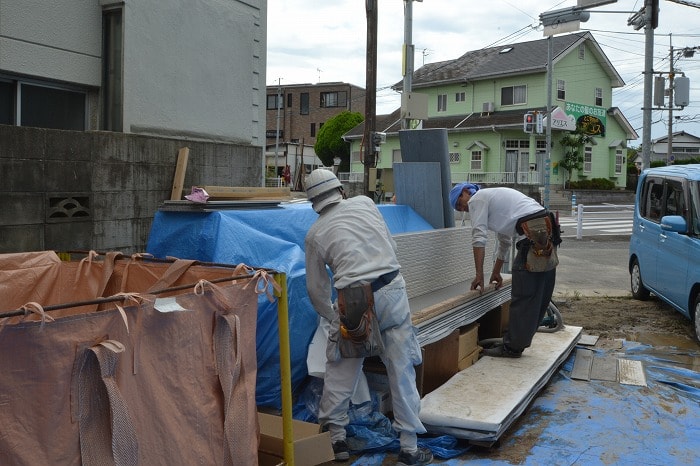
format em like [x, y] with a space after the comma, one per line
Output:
[582, 364]
[179, 180]
[233, 192]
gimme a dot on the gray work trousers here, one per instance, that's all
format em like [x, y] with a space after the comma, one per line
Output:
[531, 293]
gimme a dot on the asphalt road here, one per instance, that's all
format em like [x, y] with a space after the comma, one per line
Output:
[593, 266]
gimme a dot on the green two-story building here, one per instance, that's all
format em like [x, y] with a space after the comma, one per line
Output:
[482, 97]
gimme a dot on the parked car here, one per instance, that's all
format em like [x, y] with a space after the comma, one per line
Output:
[664, 253]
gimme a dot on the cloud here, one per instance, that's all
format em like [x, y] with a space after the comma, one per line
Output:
[310, 42]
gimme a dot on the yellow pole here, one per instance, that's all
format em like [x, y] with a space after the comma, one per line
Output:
[285, 369]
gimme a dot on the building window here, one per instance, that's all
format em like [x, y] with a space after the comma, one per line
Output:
[561, 89]
[46, 106]
[587, 159]
[513, 95]
[7, 103]
[304, 103]
[518, 143]
[460, 97]
[599, 97]
[396, 156]
[289, 100]
[619, 161]
[442, 103]
[541, 144]
[272, 101]
[476, 160]
[313, 130]
[455, 157]
[112, 71]
[581, 51]
[334, 99]
[355, 157]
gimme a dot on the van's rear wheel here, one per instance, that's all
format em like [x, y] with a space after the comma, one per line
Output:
[639, 291]
[696, 316]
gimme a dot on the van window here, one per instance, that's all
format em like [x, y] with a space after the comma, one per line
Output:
[694, 207]
[675, 200]
[652, 198]
[662, 197]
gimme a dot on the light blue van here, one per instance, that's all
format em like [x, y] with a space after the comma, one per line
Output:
[664, 254]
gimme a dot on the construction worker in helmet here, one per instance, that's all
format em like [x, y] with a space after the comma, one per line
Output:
[351, 237]
[513, 215]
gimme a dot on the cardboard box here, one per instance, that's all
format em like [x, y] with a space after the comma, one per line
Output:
[382, 400]
[311, 446]
[468, 339]
[470, 359]
[439, 363]
[495, 322]
[378, 383]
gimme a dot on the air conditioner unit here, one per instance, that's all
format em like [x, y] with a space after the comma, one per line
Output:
[488, 107]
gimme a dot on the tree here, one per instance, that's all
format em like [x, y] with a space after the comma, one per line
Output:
[330, 143]
[572, 143]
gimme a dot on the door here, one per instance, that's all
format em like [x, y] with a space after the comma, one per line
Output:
[523, 175]
[647, 230]
[674, 248]
[511, 165]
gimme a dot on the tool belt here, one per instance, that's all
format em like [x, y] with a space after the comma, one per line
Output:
[543, 236]
[360, 336]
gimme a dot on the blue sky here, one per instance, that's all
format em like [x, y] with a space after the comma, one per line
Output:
[311, 42]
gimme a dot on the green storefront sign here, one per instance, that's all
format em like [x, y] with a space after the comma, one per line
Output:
[589, 119]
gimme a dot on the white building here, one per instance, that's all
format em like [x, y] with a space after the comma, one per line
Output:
[158, 67]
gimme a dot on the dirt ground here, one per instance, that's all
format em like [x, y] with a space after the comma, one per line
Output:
[651, 321]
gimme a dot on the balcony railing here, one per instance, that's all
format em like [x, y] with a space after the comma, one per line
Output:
[500, 178]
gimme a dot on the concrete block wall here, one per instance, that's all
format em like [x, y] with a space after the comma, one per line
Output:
[69, 190]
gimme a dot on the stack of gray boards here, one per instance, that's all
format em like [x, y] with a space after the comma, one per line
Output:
[482, 401]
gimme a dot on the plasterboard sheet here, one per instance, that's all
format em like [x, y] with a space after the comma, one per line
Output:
[483, 400]
[435, 259]
[604, 368]
[416, 186]
[631, 372]
[588, 340]
[582, 364]
[439, 325]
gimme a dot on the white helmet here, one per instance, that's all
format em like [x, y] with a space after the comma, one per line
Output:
[320, 182]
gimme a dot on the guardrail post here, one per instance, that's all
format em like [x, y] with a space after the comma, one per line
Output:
[579, 222]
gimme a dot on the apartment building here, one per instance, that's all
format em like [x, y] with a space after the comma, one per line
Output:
[296, 112]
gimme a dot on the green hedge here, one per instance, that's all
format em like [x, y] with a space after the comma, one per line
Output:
[594, 183]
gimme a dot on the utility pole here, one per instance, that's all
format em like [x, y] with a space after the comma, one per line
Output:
[408, 53]
[548, 161]
[277, 133]
[669, 150]
[371, 93]
[649, 5]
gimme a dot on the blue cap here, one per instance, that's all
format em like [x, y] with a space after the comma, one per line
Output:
[457, 190]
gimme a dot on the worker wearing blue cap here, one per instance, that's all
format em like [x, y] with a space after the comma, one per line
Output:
[512, 214]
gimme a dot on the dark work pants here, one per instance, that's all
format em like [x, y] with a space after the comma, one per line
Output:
[531, 293]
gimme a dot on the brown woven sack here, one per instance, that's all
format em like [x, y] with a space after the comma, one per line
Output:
[131, 384]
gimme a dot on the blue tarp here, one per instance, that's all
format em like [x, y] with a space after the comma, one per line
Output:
[574, 422]
[270, 238]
